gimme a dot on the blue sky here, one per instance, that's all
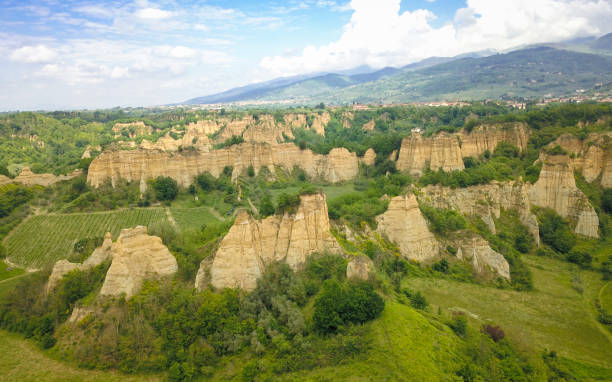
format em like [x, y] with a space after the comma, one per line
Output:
[85, 54]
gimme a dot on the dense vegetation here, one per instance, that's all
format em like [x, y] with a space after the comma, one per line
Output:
[314, 322]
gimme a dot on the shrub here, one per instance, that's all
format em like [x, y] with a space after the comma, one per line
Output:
[441, 266]
[459, 324]
[166, 188]
[417, 299]
[337, 306]
[287, 203]
[251, 171]
[606, 200]
[266, 208]
[443, 221]
[495, 332]
[555, 231]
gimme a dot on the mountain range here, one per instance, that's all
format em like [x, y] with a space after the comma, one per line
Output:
[557, 69]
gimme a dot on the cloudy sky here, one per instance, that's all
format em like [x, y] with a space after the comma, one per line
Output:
[60, 54]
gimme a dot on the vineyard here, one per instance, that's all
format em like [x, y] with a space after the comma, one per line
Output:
[193, 218]
[43, 239]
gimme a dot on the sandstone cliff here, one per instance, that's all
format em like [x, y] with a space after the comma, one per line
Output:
[592, 155]
[63, 267]
[136, 257]
[369, 158]
[140, 165]
[473, 248]
[486, 201]
[556, 189]
[404, 225]
[359, 268]
[252, 244]
[5, 180]
[447, 151]
[27, 177]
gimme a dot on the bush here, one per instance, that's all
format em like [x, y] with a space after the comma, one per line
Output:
[443, 221]
[337, 306]
[166, 188]
[266, 208]
[441, 266]
[555, 231]
[606, 200]
[495, 332]
[288, 203]
[417, 299]
[459, 324]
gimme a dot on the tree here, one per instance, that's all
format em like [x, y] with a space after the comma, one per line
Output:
[266, 208]
[166, 188]
[555, 231]
[606, 200]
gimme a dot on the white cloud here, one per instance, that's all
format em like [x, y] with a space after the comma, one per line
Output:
[153, 14]
[379, 35]
[33, 54]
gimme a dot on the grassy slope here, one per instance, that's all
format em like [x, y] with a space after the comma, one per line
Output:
[20, 360]
[193, 218]
[555, 316]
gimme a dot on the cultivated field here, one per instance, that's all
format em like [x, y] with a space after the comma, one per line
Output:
[43, 239]
[193, 218]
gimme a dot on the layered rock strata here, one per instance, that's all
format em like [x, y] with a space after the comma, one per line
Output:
[556, 189]
[592, 156]
[476, 250]
[250, 245]
[27, 177]
[486, 201]
[140, 165]
[136, 257]
[446, 151]
[404, 225]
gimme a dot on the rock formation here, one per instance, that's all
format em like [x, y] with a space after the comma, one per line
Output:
[592, 155]
[136, 257]
[359, 268]
[27, 177]
[5, 180]
[369, 157]
[486, 201]
[252, 244]
[369, 126]
[140, 165]
[97, 257]
[556, 189]
[447, 151]
[404, 225]
[473, 248]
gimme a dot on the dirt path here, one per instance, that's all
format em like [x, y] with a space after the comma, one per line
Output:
[13, 278]
[170, 217]
[253, 206]
[214, 213]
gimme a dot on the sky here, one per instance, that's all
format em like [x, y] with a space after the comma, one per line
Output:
[64, 54]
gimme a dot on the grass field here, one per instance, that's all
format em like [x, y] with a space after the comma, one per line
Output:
[558, 315]
[5, 273]
[43, 239]
[193, 218]
[20, 360]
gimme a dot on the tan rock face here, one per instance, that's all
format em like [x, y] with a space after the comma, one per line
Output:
[404, 225]
[63, 267]
[592, 156]
[446, 151]
[369, 126]
[369, 158]
[5, 180]
[556, 189]
[486, 201]
[27, 177]
[140, 165]
[359, 268]
[136, 257]
[252, 244]
[417, 152]
[475, 249]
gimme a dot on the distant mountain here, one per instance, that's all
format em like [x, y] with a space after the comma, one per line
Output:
[531, 72]
[603, 43]
[328, 81]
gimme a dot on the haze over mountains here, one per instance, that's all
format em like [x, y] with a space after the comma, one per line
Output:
[535, 71]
